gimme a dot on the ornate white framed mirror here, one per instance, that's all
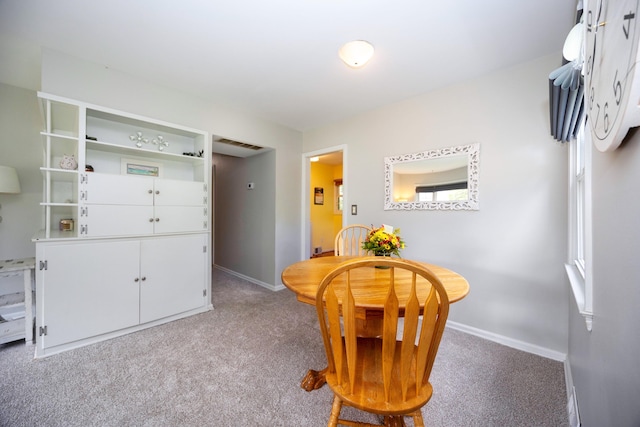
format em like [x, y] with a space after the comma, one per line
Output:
[439, 179]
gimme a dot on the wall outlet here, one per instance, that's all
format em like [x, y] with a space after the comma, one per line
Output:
[317, 250]
[251, 186]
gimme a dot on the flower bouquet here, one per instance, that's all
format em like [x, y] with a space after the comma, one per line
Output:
[384, 241]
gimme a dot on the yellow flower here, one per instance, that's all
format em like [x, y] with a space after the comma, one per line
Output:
[381, 241]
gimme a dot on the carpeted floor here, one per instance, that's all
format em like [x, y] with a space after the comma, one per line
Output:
[241, 365]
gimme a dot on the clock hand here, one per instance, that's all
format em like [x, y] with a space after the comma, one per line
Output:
[592, 24]
[599, 13]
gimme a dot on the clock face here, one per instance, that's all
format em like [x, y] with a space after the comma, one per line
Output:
[612, 83]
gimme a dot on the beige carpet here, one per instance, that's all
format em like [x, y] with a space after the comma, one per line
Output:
[241, 365]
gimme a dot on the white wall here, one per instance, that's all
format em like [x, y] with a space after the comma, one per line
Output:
[20, 148]
[604, 362]
[78, 79]
[512, 250]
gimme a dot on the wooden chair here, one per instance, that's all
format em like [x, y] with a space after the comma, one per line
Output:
[349, 240]
[381, 375]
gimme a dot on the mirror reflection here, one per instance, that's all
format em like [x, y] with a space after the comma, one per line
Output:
[436, 179]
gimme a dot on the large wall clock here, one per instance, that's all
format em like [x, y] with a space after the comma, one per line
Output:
[612, 72]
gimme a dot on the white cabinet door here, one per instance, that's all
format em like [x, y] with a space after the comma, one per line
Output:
[174, 269]
[87, 289]
[106, 189]
[180, 206]
[116, 220]
[180, 219]
[179, 193]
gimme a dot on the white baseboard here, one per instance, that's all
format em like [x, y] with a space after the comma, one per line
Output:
[572, 405]
[250, 279]
[572, 399]
[509, 342]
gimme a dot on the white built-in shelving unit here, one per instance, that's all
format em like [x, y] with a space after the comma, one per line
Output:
[125, 242]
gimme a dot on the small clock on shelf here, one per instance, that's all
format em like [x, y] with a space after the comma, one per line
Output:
[612, 72]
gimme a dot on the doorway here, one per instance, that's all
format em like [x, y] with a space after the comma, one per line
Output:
[324, 194]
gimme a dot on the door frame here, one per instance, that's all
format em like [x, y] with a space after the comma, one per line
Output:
[305, 247]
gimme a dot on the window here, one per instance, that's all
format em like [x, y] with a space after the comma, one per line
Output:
[442, 192]
[338, 196]
[579, 259]
[579, 176]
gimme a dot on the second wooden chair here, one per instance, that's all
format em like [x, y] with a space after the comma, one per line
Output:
[349, 240]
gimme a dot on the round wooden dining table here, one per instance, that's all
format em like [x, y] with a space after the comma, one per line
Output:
[304, 277]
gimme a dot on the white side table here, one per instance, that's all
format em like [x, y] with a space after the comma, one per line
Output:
[26, 268]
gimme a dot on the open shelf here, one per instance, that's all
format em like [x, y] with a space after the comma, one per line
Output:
[62, 174]
[140, 152]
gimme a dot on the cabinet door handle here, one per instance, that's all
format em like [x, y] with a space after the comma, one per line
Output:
[157, 219]
[150, 219]
[137, 279]
[143, 278]
[157, 191]
[150, 191]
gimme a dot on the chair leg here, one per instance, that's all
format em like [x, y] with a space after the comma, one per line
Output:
[394, 421]
[417, 419]
[335, 412]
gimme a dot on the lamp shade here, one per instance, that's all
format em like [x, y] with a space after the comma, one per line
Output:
[9, 180]
[356, 53]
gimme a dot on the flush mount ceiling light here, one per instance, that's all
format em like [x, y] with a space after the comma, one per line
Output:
[356, 53]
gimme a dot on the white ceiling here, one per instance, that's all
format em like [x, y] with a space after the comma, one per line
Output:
[278, 59]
